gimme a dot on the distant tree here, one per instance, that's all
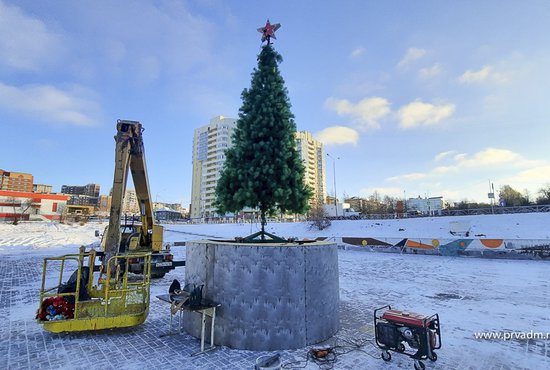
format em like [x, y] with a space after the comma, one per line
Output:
[544, 195]
[318, 217]
[375, 197]
[512, 197]
[389, 204]
[527, 196]
[263, 169]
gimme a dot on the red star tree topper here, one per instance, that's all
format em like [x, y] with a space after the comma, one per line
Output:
[268, 31]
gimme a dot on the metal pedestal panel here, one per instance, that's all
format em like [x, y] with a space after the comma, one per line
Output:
[273, 296]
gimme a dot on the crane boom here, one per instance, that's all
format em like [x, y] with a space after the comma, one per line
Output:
[130, 155]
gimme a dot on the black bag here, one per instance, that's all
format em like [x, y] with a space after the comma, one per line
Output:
[175, 288]
[195, 298]
[70, 285]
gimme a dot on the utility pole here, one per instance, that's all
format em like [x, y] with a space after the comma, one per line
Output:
[334, 175]
[491, 196]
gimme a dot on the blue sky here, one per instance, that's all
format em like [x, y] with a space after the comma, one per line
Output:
[414, 98]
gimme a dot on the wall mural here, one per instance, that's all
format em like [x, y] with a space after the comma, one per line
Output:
[455, 247]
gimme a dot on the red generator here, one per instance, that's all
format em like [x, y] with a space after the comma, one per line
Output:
[408, 333]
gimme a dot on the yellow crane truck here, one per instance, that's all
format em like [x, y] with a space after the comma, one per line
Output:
[109, 288]
[131, 236]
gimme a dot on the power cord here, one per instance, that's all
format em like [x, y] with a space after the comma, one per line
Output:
[326, 357]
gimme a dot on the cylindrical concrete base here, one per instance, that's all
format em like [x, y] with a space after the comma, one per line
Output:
[273, 296]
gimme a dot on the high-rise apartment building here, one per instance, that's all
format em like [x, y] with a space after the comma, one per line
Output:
[313, 157]
[130, 203]
[85, 195]
[16, 181]
[209, 144]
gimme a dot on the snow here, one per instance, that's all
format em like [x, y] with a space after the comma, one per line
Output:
[38, 235]
[470, 294]
[30, 236]
[516, 226]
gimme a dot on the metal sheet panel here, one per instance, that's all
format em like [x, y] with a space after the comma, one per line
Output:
[269, 293]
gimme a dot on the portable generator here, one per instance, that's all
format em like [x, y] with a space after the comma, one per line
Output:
[408, 333]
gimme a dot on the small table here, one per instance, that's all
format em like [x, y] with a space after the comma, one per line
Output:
[206, 308]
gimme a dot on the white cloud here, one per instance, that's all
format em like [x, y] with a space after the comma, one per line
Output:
[408, 177]
[460, 156]
[411, 55]
[423, 114]
[357, 52]
[489, 158]
[485, 74]
[365, 114]
[443, 155]
[337, 135]
[537, 174]
[49, 103]
[430, 72]
[441, 170]
[25, 42]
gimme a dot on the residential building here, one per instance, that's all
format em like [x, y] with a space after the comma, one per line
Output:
[130, 203]
[167, 214]
[427, 206]
[313, 157]
[209, 145]
[173, 206]
[28, 205]
[16, 181]
[330, 199]
[104, 204]
[41, 189]
[85, 195]
[357, 203]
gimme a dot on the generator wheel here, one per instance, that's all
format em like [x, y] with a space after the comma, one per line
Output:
[433, 357]
[419, 365]
[400, 347]
[386, 356]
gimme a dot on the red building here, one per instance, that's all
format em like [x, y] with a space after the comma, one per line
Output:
[25, 205]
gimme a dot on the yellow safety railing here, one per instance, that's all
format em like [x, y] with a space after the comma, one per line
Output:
[108, 287]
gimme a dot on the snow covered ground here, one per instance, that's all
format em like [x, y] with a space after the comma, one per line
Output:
[471, 295]
[523, 226]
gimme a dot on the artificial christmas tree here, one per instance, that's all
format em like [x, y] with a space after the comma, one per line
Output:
[262, 169]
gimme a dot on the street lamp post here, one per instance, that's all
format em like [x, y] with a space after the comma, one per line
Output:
[334, 175]
[491, 196]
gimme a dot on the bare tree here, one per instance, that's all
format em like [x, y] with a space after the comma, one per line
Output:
[23, 207]
[544, 195]
[318, 217]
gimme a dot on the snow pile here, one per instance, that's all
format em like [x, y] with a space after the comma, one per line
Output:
[50, 235]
